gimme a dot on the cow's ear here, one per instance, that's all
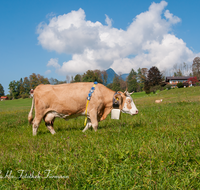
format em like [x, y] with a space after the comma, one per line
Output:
[126, 93]
[119, 98]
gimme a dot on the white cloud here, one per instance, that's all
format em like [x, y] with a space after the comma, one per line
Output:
[50, 15]
[53, 62]
[146, 42]
[47, 72]
[108, 21]
[172, 19]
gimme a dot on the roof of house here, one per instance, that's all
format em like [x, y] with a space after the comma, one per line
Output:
[177, 78]
[3, 97]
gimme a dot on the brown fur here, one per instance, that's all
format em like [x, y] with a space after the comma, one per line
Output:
[70, 100]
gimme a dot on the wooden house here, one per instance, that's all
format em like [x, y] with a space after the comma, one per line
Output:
[3, 98]
[175, 80]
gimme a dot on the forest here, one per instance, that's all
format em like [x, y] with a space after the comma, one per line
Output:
[141, 80]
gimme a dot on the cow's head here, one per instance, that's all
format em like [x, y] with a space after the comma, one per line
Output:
[126, 104]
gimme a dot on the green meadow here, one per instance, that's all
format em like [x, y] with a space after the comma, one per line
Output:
[157, 149]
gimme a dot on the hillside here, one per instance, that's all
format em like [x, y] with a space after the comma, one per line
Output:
[156, 149]
[180, 96]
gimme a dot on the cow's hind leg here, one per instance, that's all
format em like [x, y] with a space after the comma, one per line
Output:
[36, 123]
[49, 119]
[35, 128]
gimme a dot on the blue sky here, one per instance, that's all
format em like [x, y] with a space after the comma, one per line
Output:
[59, 38]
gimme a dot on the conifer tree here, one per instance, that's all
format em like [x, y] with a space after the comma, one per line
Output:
[196, 67]
[154, 78]
[132, 81]
[116, 83]
[1, 90]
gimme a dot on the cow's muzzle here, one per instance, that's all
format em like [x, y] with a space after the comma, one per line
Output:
[136, 112]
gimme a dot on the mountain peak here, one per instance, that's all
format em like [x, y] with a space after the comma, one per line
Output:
[111, 74]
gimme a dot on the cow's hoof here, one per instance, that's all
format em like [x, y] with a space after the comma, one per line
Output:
[53, 132]
[34, 132]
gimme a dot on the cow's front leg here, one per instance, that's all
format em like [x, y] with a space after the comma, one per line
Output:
[94, 121]
[88, 125]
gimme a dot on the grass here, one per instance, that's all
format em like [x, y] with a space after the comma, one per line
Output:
[19, 104]
[157, 149]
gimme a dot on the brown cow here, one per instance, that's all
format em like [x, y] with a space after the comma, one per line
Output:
[69, 100]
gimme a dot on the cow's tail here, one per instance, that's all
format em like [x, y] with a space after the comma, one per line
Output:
[30, 115]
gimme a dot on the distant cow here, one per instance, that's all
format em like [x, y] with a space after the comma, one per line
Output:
[31, 93]
[158, 101]
[69, 100]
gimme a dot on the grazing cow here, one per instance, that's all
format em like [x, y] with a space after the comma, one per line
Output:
[69, 100]
[158, 101]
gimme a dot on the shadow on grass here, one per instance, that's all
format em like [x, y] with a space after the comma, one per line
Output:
[102, 125]
[120, 124]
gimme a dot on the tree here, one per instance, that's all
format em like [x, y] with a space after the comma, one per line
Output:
[53, 81]
[77, 78]
[42, 80]
[14, 89]
[35, 80]
[182, 69]
[178, 73]
[144, 72]
[178, 70]
[67, 78]
[196, 67]
[116, 83]
[26, 85]
[1, 90]
[154, 78]
[132, 81]
[147, 87]
[185, 84]
[141, 78]
[98, 75]
[91, 76]
[72, 79]
[180, 85]
[193, 80]
[139, 74]
[110, 86]
[21, 87]
[186, 69]
[104, 76]
[122, 83]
